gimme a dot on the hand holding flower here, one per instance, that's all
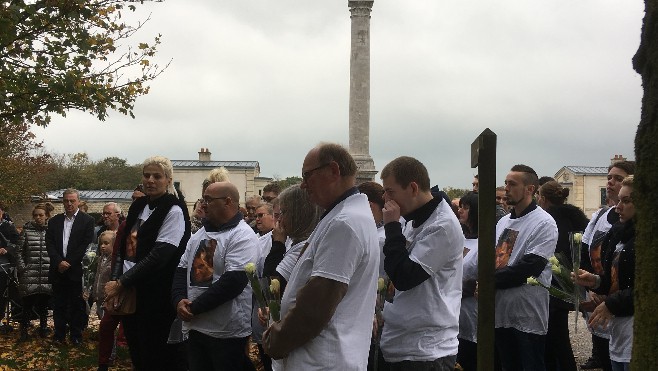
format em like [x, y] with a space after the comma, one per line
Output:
[600, 317]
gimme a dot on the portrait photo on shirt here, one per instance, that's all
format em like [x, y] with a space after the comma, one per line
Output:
[595, 252]
[202, 266]
[505, 246]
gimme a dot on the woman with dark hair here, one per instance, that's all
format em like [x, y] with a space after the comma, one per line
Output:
[33, 263]
[156, 231]
[551, 197]
[468, 315]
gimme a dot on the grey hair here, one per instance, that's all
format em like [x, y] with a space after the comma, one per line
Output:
[268, 206]
[71, 191]
[300, 215]
[116, 206]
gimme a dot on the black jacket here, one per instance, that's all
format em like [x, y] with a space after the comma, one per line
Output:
[619, 302]
[568, 218]
[82, 233]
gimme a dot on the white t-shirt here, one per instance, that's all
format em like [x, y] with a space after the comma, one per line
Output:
[290, 258]
[621, 329]
[343, 247]
[264, 247]
[468, 316]
[525, 307]
[171, 231]
[422, 324]
[207, 256]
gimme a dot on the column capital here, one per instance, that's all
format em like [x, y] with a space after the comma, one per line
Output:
[360, 8]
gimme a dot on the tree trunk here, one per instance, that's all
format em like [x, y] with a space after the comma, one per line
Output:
[645, 62]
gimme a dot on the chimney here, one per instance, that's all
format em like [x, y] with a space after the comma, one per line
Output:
[204, 154]
[617, 158]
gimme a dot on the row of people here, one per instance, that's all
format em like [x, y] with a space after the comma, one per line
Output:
[329, 269]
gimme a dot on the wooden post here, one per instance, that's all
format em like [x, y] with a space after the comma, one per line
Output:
[483, 156]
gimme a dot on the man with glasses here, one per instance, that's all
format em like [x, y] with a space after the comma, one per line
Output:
[251, 205]
[111, 218]
[328, 305]
[210, 287]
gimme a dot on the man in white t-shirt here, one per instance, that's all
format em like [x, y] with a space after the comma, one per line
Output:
[592, 258]
[210, 288]
[329, 302]
[526, 238]
[424, 262]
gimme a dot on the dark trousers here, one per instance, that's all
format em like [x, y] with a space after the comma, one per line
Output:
[208, 353]
[467, 355]
[440, 364]
[559, 355]
[36, 303]
[147, 334]
[381, 364]
[4, 280]
[106, 337]
[520, 351]
[601, 352]
[264, 358]
[68, 309]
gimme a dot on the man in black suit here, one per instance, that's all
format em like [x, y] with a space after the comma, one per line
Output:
[67, 238]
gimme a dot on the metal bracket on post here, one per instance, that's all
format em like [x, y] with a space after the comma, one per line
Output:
[483, 156]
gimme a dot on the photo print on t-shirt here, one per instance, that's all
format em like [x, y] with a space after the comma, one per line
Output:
[505, 246]
[614, 271]
[595, 253]
[202, 265]
[131, 242]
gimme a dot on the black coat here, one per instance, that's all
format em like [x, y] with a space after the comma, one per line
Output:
[32, 261]
[620, 302]
[82, 234]
[568, 218]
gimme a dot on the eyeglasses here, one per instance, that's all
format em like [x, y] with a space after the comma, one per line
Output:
[207, 199]
[307, 174]
[109, 213]
[261, 215]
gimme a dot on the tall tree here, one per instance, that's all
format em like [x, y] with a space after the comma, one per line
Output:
[645, 62]
[23, 164]
[57, 55]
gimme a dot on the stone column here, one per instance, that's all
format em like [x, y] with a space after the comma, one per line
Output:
[359, 117]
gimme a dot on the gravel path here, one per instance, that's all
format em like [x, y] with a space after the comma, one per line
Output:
[581, 341]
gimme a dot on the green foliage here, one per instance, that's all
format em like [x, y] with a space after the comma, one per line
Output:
[23, 164]
[455, 192]
[287, 182]
[57, 55]
[78, 171]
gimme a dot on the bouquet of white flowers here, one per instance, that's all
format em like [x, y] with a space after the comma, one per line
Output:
[89, 266]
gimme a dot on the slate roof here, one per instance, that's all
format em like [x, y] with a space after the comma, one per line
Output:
[96, 195]
[588, 170]
[214, 164]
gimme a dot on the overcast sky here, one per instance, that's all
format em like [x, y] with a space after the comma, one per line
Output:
[267, 80]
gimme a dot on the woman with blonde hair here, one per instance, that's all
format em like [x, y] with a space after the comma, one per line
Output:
[157, 229]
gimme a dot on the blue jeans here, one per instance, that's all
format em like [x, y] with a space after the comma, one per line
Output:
[520, 351]
[208, 353]
[620, 366]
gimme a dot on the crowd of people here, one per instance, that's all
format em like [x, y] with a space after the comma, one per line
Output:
[369, 276]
